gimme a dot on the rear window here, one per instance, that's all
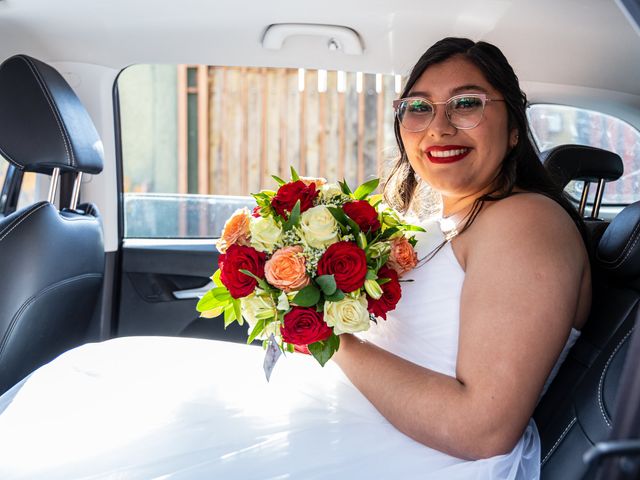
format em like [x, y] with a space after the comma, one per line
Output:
[197, 139]
[554, 125]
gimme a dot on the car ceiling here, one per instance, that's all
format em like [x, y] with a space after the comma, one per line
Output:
[580, 49]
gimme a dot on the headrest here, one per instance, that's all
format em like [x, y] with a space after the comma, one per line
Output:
[43, 125]
[619, 249]
[579, 162]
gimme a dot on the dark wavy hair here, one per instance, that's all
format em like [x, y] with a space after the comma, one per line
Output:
[520, 168]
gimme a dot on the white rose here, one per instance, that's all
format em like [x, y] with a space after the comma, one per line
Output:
[349, 315]
[266, 234]
[318, 228]
[259, 307]
[330, 190]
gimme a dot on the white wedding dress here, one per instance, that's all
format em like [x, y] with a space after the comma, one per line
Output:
[177, 408]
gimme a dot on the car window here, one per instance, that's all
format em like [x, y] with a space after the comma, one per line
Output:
[29, 188]
[197, 140]
[554, 125]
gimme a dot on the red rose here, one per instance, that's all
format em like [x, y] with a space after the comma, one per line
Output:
[391, 293]
[239, 257]
[303, 326]
[361, 212]
[289, 193]
[302, 349]
[348, 264]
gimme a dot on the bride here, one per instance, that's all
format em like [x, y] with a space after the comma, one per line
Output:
[444, 388]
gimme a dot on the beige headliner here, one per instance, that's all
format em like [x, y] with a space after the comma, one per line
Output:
[582, 52]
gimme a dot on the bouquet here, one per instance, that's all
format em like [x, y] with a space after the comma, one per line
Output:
[312, 261]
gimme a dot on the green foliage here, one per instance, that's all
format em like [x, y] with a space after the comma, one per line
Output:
[307, 297]
[216, 278]
[344, 187]
[294, 218]
[294, 174]
[366, 188]
[336, 296]
[322, 351]
[343, 219]
[257, 330]
[237, 310]
[327, 284]
[229, 315]
[278, 179]
[261, 283]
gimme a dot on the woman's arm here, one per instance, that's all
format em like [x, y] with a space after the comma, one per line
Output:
[524, 266]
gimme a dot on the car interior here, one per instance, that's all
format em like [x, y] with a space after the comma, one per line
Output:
[71, 274]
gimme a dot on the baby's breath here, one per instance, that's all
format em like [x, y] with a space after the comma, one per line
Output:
[348, 238]
[334, 200]
[291, 237]
[312, 256]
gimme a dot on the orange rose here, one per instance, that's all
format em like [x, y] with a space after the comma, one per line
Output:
[236, 230]
[403, 257]
[286, 269]
[319, 181]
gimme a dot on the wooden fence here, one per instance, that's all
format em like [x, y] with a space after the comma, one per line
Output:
[250, 123]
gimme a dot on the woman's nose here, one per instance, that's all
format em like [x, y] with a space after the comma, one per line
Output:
[440, 125]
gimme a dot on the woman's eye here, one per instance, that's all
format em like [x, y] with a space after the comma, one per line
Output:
[467, 103]
[418, 106]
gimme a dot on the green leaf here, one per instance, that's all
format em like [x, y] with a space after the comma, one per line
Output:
[257, 330]
[290, 348]
[371, 275]
[339, 215]
[336, 297]
[366, 188]
[388, 232]
[327, 283]
[294, 217]
[214, 298]
[207, 302]
[278, 179]
[237, 311]
[294, 174]
[221, 294]
[322, 351]
[383, 280]
[307, 297]
[261, 282]
[216, 278]
[344, 187]
[413, 228]
[229, 315]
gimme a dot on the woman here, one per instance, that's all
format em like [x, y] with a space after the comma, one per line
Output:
[461, 127]
[458, 369]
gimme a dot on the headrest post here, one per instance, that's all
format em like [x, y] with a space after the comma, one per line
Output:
[583, 200]
[598, 200]
[53, 186]
[76, 191]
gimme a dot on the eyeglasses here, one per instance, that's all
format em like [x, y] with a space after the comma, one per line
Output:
[464, 112]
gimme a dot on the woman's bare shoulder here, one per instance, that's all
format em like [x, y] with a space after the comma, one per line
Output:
[528, 215]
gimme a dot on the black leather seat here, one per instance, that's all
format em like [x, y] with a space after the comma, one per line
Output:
[51, 261]
[578, 408]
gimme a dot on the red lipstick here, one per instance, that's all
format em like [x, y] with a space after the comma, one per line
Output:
[447, 153]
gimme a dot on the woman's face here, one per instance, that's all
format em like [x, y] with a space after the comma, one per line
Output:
[458, 163]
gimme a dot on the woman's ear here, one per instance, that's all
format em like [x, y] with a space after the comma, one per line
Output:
[514, 136]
